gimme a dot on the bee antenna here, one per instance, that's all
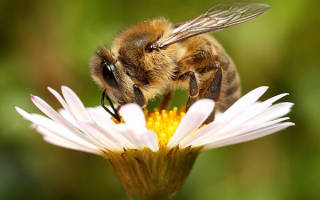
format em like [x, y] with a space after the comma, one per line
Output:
[114, 114]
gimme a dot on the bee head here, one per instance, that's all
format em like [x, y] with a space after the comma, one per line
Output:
[106, 71]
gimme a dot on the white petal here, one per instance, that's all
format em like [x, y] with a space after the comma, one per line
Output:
[77, 108]
[54, 128]
[245, 101]
[53, 139]
[103, 120]
[65, 114]
[50, 112]
[61, 100]
[100, 116]
[251, 112]
[58, 142]
[193, 119]
[133, 116]
[235, 132]
[151, 140]
[229, 126]
[106, 140]
[204, 132]
[118, 131]
[99, 111]
[128, 133]
[139, 139]
[249, 136]
[223, 122]
[276, 98]
[256, 111]
[273, 112]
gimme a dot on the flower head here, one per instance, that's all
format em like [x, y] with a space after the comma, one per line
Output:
[149, 146]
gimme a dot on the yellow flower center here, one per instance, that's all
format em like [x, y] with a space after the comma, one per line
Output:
[164, 123]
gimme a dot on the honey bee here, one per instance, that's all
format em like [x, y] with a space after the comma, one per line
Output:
[155, 57]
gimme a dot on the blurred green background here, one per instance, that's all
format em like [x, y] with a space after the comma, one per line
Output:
[48, 43]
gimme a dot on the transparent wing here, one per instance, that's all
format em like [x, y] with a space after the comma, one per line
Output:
[218, 17]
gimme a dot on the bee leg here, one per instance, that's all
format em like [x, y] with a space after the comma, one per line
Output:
[166, 100]
[140, 100]
[213, 92]
[193, 87]
[190, 101]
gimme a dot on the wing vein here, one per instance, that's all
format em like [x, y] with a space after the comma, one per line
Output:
[218, 17]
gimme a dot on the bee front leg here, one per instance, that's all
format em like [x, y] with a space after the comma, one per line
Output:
[140, 100]
[193, 87]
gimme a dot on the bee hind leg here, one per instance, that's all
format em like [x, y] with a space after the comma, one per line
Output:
[213, 92]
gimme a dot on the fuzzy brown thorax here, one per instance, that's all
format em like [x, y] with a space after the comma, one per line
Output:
[134, 63]
[151, 70]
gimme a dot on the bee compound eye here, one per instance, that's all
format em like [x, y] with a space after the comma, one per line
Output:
[108, 73]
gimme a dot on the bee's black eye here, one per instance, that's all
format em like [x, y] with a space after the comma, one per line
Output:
[107, 72]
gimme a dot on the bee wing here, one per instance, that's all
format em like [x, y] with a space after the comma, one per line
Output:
[218, 17]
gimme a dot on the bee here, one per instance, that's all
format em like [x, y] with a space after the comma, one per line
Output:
[155, 57]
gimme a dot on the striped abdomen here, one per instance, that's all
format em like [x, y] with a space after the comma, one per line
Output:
[205, 56]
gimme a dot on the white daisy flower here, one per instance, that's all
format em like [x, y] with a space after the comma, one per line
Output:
[152, 153]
